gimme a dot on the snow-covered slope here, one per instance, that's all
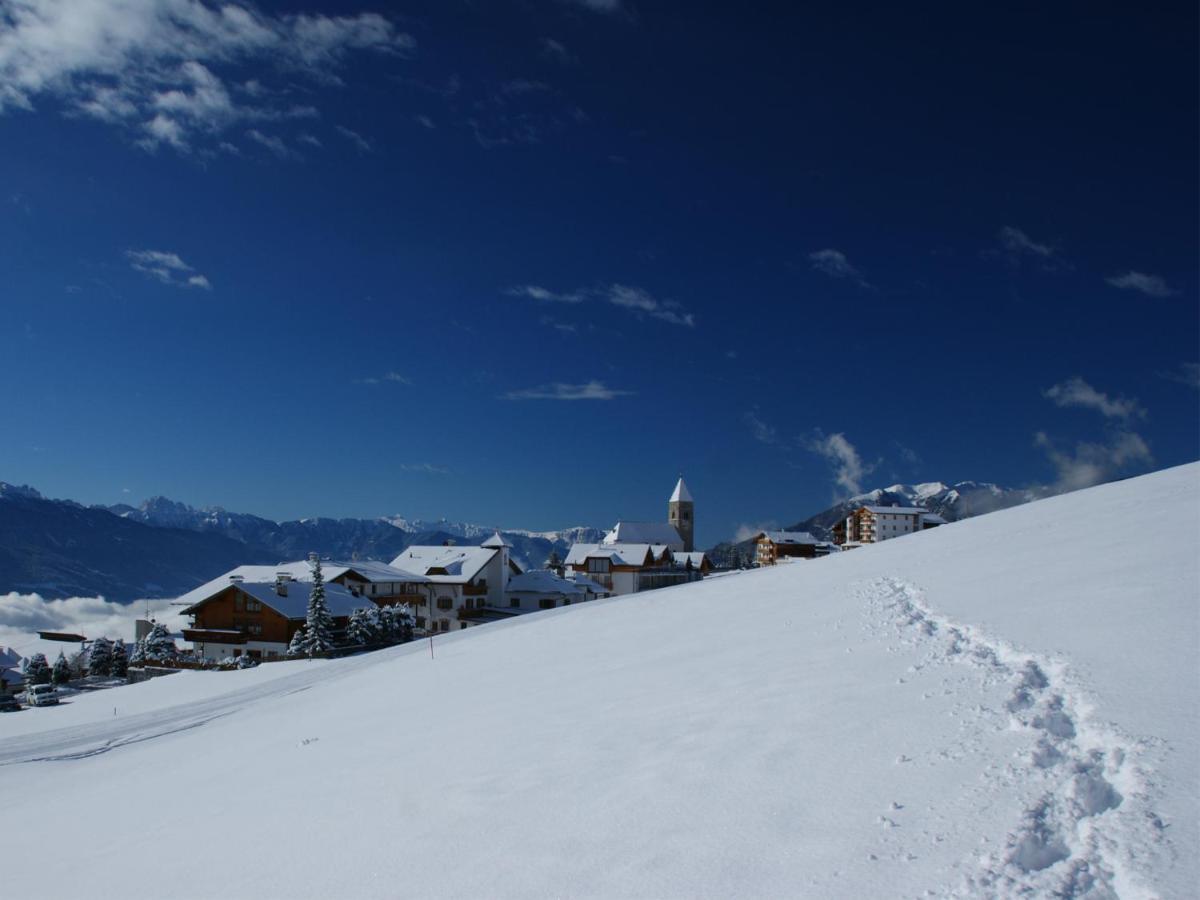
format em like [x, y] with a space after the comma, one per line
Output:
[1006, 706]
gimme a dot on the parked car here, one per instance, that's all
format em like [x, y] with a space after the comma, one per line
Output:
[41, 695]
[8, 703]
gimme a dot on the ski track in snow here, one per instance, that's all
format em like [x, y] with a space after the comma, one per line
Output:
[1091, 827]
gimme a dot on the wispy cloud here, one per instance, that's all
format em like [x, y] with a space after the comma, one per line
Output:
[849, 470]
[272, 142]
[161, 71]
[537, 292]
[1077, 392]
[834, 264]
[363, 145]
[747, 530]
[1150, 285]
[1188, 373]
[1091, 463]
[1017, 243]
[762, 432]
[424, 468]
[635, 299]
[387, 377]
[557, 51]
[600, 6]
[167, 268]
[592, 390]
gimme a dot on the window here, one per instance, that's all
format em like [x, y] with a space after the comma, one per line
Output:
[599, 565]
[420, 621]
[445, 624]
[253, 605]
[239, 601]
[514, 602]
[546, 603]
[445, 603]
[462, 625]
[255, 629]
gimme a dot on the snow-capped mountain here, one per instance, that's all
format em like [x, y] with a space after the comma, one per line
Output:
[952, 502]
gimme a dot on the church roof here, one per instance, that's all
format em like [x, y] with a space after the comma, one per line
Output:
[681, 493]
[496, 541]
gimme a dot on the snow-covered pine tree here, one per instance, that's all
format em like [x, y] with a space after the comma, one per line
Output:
[120, 659]
[299, 643]
[158, 644]
[359, 630]
[387, 624]
[246, 661]
[138, 656]
[318, 626]
[61, 673]
[37, 670]
[405, 623]
[100, 657]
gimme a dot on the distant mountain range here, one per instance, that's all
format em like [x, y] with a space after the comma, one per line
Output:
[59, 548]
[951, 502]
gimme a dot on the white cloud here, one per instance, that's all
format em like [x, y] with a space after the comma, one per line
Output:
[600, 6]
[557, 51]
[152, 66]
[1092, 463]
[634, 299]
[272, 142]
[167, 268]
[424, 468]
[1150, 285]
[834, 264]
[355, 138]
[763, 433]
[1017, 242]
[22, 616]
[640, 300]
[537, 292]
[747, 530]
[392, 377]
[1187, 373]
[848, 468]
[1077, 392]
[592, 390]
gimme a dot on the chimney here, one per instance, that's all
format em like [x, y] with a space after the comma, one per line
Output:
[235, 579]
[281, 583]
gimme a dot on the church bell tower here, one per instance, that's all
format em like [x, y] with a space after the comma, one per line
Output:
[681, 512]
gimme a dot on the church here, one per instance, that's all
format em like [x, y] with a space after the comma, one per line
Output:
[641, 556]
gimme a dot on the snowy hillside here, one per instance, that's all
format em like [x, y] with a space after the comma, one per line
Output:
[1008, 706]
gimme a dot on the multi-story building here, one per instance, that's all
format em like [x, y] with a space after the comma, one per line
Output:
[872, 524]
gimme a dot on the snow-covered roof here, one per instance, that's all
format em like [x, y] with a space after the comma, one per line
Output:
[619, 554]
[301, 570]
[790, 537]
[934, 518]
[696, 558]
[9, 658]
[495, 542]
[681, 493]
[460, 564]
[541, 581]
[897, 510]
[583, 581]
[295, 605]
[644, 533]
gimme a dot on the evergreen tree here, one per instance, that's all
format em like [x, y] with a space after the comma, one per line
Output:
[319, 625]
[405, 623]
[120, 659]
[61, 673]
[299, 643]
[158, 644]
[37, 670]
[138, 656]
[100, 657]
[246, 661]
[77, 664]
[360, 630]
[386, 617]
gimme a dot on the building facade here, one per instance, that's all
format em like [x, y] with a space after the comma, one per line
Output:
[872, 524]
[772, 546]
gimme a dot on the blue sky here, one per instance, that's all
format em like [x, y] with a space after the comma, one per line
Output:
[523, 262]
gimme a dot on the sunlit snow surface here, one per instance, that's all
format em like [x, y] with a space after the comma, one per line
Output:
[1005, 706]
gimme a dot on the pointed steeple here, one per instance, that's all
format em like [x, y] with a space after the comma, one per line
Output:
[681, 513]
[681, 492]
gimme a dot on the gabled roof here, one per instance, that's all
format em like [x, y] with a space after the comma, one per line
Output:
[618, 554]
[368, 570]
[644, 533]
[295, 605]
[696, 558]
[583, 581]
[445, 565]
[789, 537]
[496, 541]
[541, 581]
[681, 493]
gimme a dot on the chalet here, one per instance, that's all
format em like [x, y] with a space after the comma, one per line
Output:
[772, 546]
[872, 524]
[258, 618]
[462, 581]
